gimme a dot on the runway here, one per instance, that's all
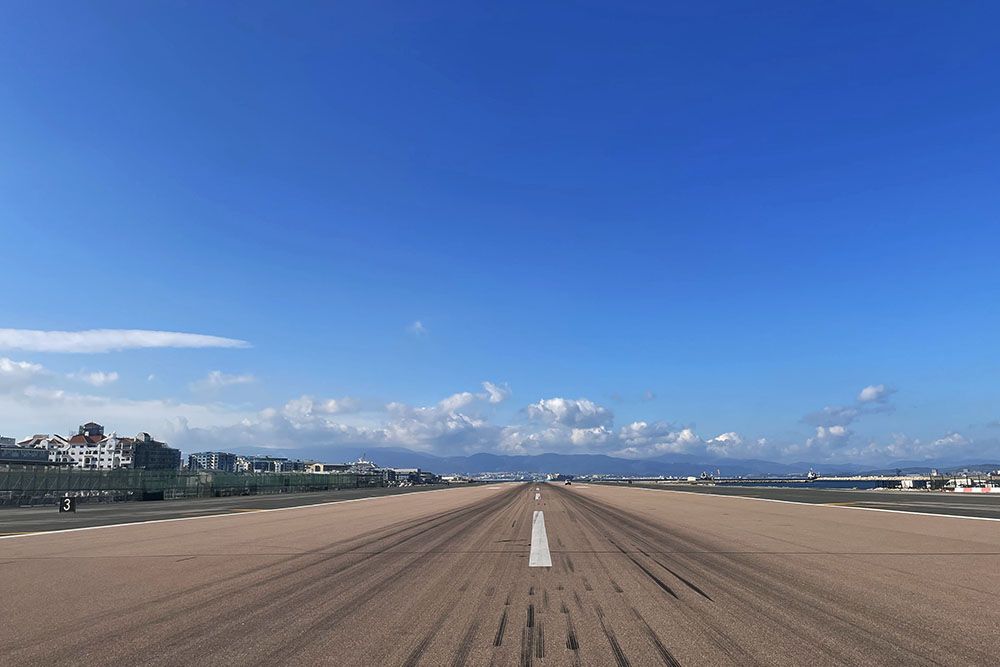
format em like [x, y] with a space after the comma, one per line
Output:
[923, 502]
[637, 577]
[17, 520]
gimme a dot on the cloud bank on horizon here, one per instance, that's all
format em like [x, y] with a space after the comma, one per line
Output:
[31, 397]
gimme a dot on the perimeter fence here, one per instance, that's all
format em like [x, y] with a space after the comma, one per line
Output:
[39, 485]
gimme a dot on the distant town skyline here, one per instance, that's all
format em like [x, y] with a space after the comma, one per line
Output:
[625, 230]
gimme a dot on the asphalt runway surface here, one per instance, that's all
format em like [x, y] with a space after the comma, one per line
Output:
[637, 577]
[17, 520]
[924, 502]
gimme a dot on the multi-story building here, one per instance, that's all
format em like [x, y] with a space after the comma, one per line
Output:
[411, 475]
[328, 468]
[269, 464]
[223, 461]
[55, 445]
[5, 441]
[91, 449]
[260, 463]
[150, 454]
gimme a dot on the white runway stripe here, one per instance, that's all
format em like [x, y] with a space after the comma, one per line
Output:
[540, 556]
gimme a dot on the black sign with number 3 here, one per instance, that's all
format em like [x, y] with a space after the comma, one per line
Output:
[67, 504]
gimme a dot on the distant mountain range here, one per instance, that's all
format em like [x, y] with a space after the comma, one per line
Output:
[584, 464]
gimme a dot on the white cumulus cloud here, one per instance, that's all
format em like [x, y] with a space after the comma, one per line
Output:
[216, 380]
[95, 378]
[874, 393]
[574, 412]
[18, 373]
[306, 407]
[496, 393]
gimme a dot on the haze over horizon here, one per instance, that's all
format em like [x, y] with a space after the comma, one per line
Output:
[458, 229]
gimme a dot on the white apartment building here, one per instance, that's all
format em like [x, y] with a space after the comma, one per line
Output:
[56, 445]
[89, 448]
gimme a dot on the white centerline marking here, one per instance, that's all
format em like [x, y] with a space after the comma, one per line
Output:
[540, 556]
[538, 496]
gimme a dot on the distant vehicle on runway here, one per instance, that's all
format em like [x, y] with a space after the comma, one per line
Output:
[568, 482]
[812, 476]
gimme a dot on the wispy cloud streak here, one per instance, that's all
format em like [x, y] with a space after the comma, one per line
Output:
[108, 340]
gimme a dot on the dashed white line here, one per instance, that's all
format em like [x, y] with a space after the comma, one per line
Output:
[540, 556]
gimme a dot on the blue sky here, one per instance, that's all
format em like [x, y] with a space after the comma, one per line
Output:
[708, 220]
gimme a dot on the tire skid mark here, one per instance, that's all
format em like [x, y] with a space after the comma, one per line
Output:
[497, 656]
[633, 530]
[235, 615]
[462, 654]
[498, 638]
[736, 653]
[683, 580]
[314, 632]
[620, 658]
[665, 655]
[226, 619]
[319, 628]
[465, 644]
[769, 586]
[659, 582]
[414, 657]
[527, 640]
[758, 585]
[572, 641]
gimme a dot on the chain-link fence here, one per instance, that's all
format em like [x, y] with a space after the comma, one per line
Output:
[38, 485]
